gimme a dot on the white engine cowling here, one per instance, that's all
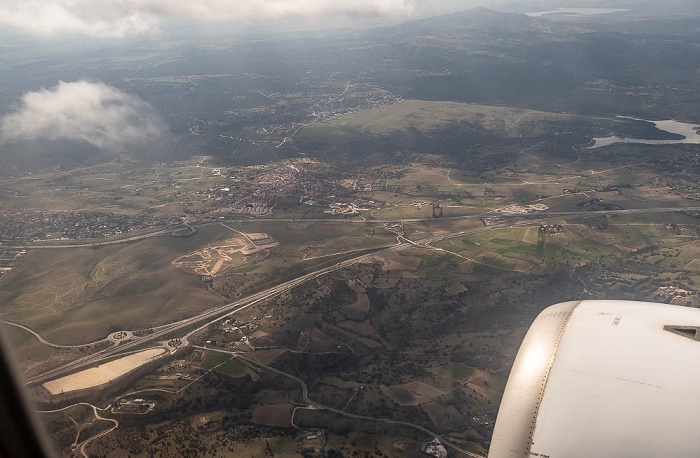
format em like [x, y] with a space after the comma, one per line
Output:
[604, 379]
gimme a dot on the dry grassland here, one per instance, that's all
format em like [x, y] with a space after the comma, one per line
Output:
[266, 356]
[276, 415]
[531, 235]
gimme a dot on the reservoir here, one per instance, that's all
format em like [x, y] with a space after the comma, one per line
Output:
[689, 131]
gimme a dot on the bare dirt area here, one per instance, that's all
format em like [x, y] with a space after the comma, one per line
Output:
[101, 374]
[235, 252]
[261, 240]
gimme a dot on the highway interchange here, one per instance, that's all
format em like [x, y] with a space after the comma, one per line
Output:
[217, 313]
[188, 228]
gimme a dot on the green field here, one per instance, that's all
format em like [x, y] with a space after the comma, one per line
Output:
[428, 115]
[116, 187]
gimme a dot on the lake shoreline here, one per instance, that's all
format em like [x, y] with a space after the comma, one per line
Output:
[682, 131]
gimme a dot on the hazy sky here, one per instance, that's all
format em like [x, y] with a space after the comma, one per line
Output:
[118, 18]
[112, 120]
[124, 18]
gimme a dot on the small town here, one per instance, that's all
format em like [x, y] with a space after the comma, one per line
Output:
[263, 189]
[370, 229]
[33, 225]
[8, 259]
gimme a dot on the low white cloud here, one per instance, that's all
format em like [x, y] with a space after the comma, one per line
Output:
[55, 17]
[84, 111]
[272, 9]
[118, 18]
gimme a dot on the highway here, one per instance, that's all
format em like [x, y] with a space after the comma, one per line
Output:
[241, 304]
[215, 313]
[188, 228]
[160, 233]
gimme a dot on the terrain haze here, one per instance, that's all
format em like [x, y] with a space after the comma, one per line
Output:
[320, 228]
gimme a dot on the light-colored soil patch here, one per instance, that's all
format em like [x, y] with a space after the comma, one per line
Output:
[235, 252]
[261, 238]
[277, 415]
[101, 374]
[258, 334]
[210, 260]
[202, 420]
[531, 235]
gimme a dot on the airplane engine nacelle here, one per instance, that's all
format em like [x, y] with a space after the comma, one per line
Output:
[604, 379]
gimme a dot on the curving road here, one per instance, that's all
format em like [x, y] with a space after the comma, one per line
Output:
[242, 304]
[188, 228]
[317, 406]
[216, 313]
[46, 342]
[81, 446]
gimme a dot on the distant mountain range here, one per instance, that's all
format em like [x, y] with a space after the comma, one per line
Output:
[637, 64]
